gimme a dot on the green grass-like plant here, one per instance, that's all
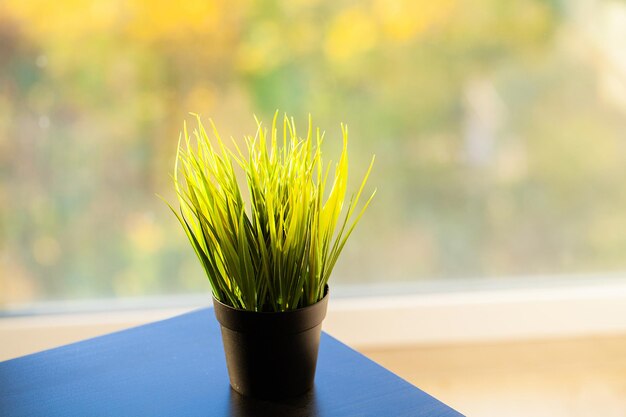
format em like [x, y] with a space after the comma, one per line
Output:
[277, 254]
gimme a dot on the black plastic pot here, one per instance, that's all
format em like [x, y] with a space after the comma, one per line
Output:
[271, 355]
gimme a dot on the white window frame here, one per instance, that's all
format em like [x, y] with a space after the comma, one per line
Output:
[594, 306]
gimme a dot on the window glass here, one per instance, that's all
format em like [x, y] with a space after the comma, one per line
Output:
[499, 131]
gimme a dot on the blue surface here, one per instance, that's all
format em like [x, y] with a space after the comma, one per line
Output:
[176, 367]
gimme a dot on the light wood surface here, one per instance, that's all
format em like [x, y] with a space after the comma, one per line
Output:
[544, 378]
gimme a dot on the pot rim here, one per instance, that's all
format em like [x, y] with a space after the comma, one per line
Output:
[291, 321]
[240, 310]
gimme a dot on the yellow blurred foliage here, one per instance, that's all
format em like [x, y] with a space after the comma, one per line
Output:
[356, 30]
[263, 51]
[144, 20]
[353, 31]
[17, 284]
[403, 20]
[153, 19]
[201, 98]
[71, 20]
[46, 250]
[144, 234]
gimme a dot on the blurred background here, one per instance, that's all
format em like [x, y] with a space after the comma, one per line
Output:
[499, 131]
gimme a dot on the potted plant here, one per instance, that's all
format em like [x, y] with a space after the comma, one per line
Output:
[268, 249]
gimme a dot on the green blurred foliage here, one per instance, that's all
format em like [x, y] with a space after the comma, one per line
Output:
[498, 129]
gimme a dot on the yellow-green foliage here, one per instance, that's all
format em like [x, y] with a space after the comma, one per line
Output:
[278, 253]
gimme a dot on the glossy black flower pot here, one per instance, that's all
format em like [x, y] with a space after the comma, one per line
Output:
[271, 355]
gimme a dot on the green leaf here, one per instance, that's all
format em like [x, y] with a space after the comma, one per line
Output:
[278, 254]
